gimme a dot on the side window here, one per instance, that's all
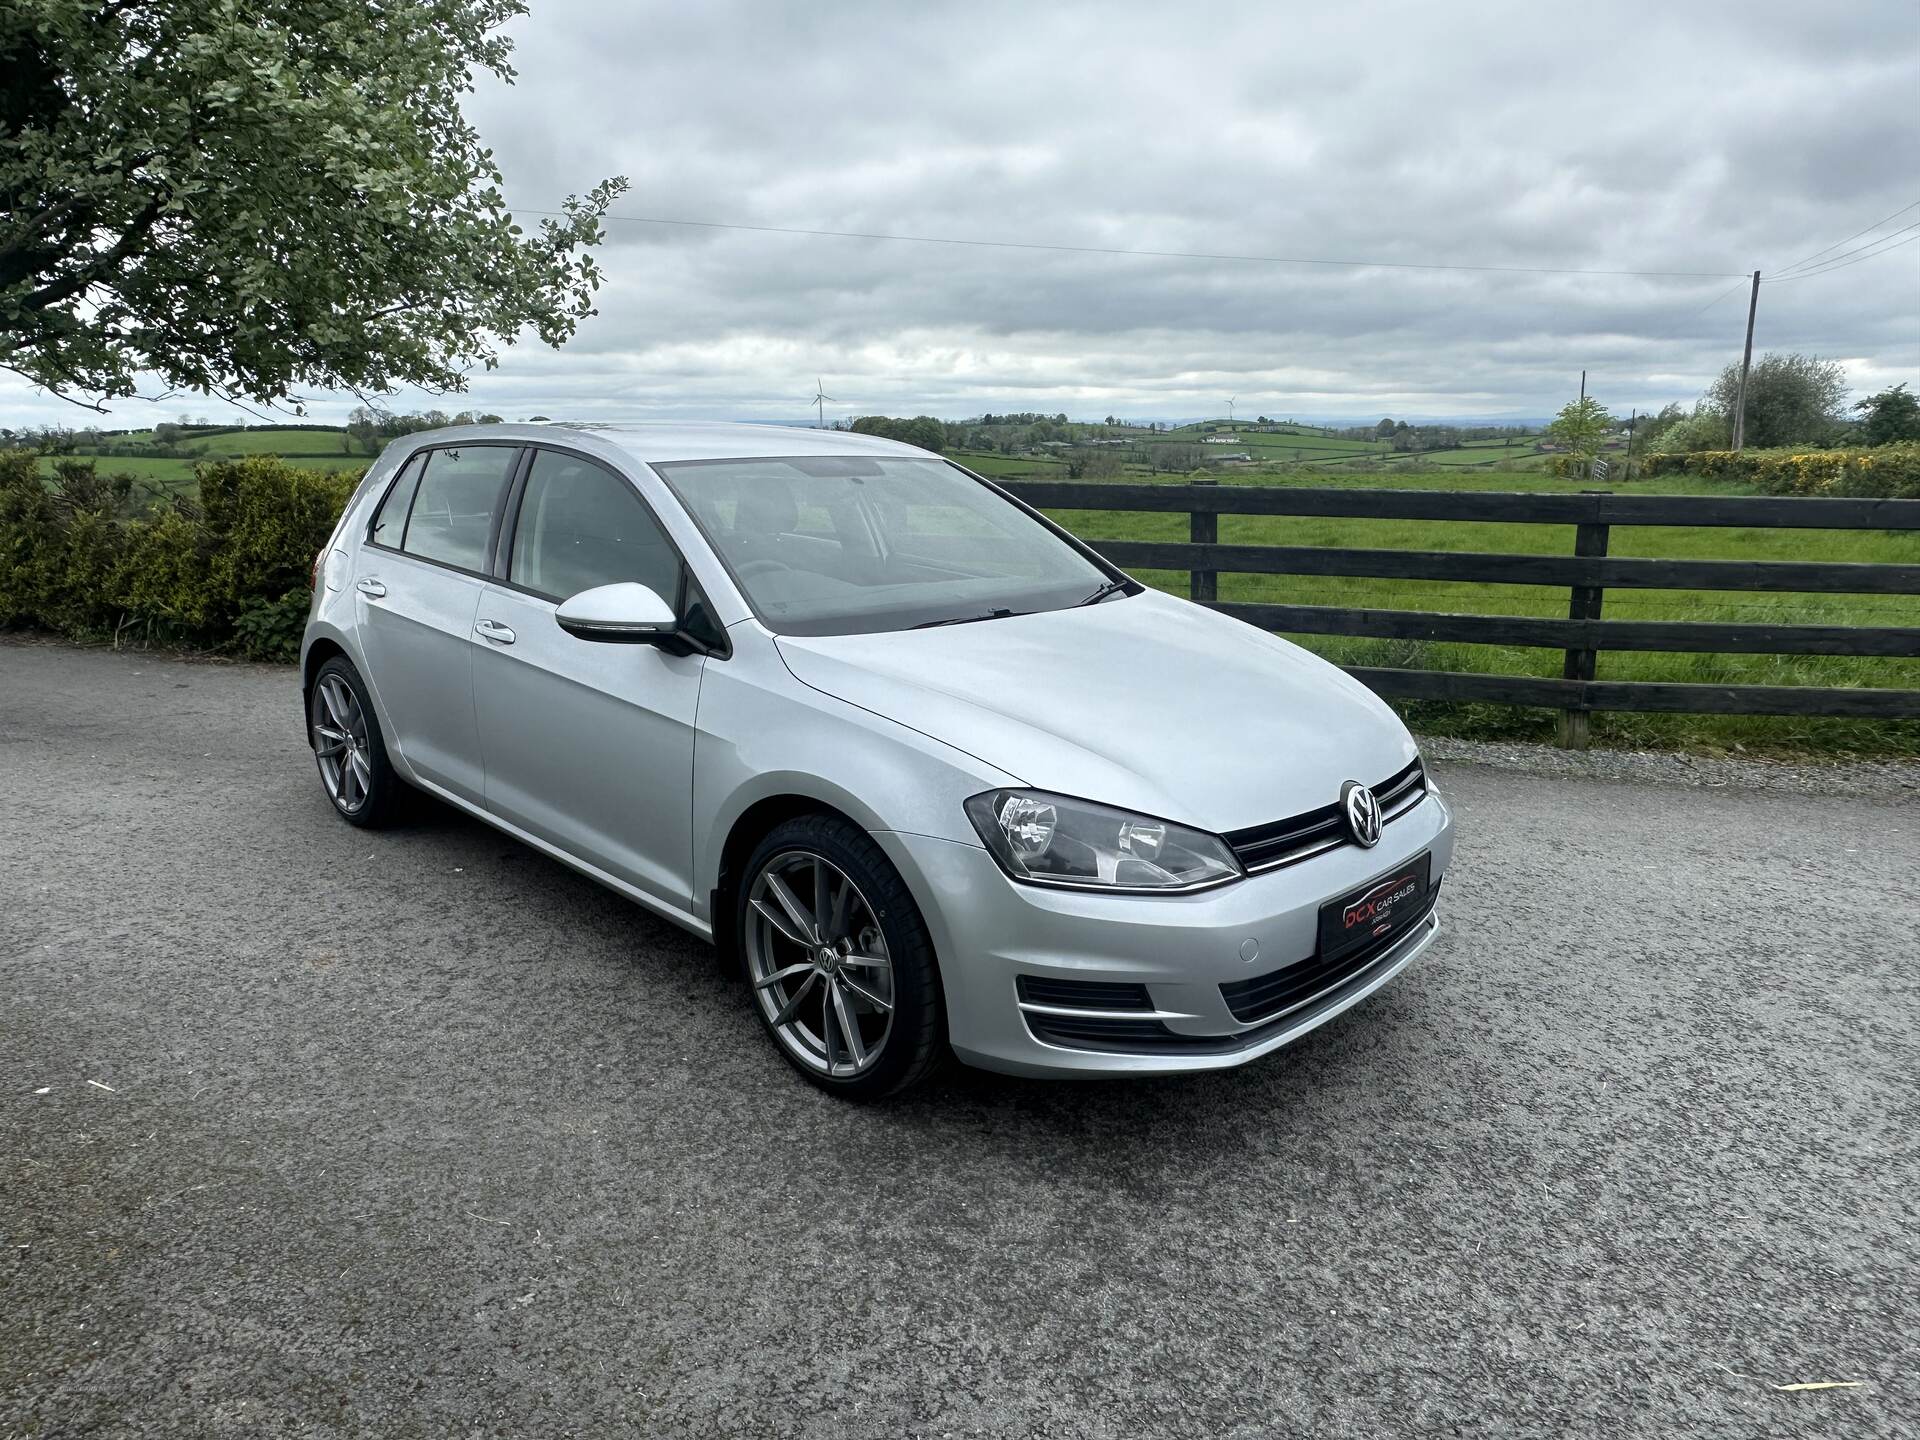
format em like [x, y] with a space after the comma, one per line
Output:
[453, 509]
[580, 525]
[390, 520]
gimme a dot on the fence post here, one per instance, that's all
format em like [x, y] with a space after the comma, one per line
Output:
[1572, 725]
[1203, 528]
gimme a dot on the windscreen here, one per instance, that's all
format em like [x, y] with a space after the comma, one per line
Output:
[841, 546]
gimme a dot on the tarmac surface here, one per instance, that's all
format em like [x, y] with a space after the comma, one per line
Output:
[310, 1131]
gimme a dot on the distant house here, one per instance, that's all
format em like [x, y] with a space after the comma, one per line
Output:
[1221, 440]
[1226, 459]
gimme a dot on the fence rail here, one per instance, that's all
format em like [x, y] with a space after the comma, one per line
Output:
[1587, 574]
[1520, 508]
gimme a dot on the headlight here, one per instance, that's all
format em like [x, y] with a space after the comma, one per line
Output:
[1055, 840]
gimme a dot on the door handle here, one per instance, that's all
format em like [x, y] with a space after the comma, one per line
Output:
[494, 631]
[370, 587]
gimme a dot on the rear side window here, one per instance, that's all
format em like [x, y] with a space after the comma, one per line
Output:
[580, 525]
[453, 509]
[390, 520]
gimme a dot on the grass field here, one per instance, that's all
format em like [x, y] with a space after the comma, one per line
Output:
[302, 443]
[176, 475]
[256, 442]
[1309, 447]
[1013, 467]
[1288, 446]
[315, 449]
[1771, 733]
[1478, 456]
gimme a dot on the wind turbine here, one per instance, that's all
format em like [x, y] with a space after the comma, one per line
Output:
[820, 398]
[1230, 400]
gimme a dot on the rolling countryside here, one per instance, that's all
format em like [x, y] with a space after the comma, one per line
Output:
[1302, 456]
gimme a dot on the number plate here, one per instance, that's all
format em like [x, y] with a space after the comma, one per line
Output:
[1378, 909]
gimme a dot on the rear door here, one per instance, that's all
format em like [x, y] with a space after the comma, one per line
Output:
[589, 744]
[418, 581]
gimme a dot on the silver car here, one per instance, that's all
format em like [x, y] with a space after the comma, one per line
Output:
[932, 774]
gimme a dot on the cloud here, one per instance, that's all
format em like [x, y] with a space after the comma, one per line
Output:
[1709, 137]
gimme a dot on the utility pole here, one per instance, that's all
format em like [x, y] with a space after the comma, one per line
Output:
[1635, 415]
[1746, 364]
[1583, 401]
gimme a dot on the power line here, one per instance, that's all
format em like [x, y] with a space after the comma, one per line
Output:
[1146, 254]
[1865, 252]
[1786, 270]
[1874, 255]
[1787, 273]
[1673, 332]
[1878, 246]
[1733, 289]
[1832, 262]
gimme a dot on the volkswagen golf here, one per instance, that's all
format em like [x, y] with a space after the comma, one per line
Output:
[933, 776]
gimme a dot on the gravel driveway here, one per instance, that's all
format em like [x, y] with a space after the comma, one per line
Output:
[305, 1131]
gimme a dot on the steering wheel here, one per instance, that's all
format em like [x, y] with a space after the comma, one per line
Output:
[756, 567]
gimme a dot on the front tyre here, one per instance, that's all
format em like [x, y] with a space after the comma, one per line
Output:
[839, 962]
[347, 746]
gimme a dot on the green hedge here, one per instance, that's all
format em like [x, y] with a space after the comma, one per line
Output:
[228, 572]
[1885, 472]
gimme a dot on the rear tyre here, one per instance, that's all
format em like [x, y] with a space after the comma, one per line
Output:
[838, 960]
[347, 745]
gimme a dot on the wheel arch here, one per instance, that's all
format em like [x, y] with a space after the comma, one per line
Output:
[318, 653]
[748, 828]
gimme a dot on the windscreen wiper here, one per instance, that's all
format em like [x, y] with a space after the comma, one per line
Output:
[999, 614]
[1112, 587]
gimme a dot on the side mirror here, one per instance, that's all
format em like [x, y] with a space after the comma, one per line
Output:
[626, 613]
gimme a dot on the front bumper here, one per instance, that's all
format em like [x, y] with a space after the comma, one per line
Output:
[988, 931]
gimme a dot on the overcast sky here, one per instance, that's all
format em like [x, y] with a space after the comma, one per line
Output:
[1660, 137]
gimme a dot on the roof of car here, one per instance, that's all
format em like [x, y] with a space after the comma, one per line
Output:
[666, 440]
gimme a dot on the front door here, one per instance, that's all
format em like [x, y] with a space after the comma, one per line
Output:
[589, 744]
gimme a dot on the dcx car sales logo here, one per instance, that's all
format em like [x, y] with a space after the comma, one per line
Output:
[1376, 906]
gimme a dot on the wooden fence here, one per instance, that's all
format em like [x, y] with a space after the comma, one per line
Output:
[1587, 574]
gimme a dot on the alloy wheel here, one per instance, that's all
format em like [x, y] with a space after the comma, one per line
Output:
[341, 744]
[819, 964]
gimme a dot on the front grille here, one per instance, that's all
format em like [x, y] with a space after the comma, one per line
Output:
[1268, 996]
[1400, 794]
[1288, 842]
[1083, 994]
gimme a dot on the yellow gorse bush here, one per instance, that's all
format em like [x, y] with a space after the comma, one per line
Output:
[1886, 472]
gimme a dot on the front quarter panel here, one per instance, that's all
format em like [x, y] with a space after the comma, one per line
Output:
[764, 735]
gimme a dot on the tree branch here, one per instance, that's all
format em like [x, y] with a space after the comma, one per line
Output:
[96, 268]
[32, 227]
[39, 382]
